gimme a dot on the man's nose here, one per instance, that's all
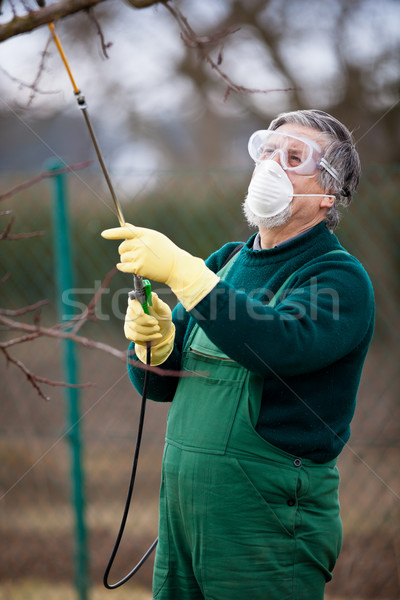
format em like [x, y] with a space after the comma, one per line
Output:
[277, 157]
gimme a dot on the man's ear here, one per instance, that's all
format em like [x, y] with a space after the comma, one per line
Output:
[327, 201]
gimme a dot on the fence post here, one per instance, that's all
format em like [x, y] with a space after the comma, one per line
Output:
[64, 282]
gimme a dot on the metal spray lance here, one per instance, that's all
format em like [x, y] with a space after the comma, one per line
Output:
[142, 293]
[142, 287]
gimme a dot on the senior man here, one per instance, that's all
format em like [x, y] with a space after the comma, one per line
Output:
[272, 336]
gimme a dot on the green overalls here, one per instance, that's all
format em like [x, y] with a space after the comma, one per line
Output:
[240, 519]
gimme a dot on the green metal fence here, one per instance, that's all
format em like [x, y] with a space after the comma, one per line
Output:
[200, 211]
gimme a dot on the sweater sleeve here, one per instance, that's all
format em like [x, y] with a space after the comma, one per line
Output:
[161, 387]
[324, 315]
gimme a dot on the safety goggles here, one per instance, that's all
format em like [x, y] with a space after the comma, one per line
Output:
[296, 153]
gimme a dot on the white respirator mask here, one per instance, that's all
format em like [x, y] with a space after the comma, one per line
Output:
[271, 191]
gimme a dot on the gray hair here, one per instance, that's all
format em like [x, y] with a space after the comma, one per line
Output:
[339, 152]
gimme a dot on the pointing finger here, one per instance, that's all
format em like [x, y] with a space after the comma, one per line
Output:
[120, 233]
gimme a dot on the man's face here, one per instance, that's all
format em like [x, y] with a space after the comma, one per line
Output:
[298, 151]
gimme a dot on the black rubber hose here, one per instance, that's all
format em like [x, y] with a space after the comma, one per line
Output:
[112, 586]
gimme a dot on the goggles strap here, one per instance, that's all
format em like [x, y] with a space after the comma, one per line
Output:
[325, 165]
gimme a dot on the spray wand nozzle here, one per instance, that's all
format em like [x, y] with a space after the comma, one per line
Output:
[142, 288]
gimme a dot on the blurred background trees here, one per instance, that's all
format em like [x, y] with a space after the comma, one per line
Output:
[159, 104]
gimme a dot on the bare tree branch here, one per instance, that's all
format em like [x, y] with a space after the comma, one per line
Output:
[36, 379]
[145, 3]
[104, 45]
[201, 43]
[54, 12]
[24, 84]
[4, 278]
[34, 86]
[23, 311]
[6, 235]
[43, 16]
[12, 237]
[81, 319]
[19, 340]
[57, 333]
[44, 175]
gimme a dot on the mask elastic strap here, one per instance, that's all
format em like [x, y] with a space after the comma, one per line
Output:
[322, 195]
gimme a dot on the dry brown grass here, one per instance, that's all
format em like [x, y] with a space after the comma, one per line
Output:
[31, 589]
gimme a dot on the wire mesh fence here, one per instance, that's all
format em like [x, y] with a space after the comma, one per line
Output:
[200, 211]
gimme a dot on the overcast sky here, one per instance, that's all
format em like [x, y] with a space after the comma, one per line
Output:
[146, 45]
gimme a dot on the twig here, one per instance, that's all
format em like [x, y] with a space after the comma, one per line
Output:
[13, 9]
[44, 175]
[36, 379]
[104, 45]
[22, 311]
[26, 6]
[57, 333]
[82, 318]
[19, 340]
[6, 235]
[4, 278]
[20, 236]
[165, 372]
[39, 73]
[24, 83]
[192, 40]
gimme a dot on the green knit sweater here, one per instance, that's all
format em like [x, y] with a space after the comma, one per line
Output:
[310, 348]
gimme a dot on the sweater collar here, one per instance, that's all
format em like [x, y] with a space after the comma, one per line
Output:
[317, 236]
[257, 240]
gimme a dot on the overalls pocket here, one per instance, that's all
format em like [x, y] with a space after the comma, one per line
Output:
[271, 494]
[205, 404]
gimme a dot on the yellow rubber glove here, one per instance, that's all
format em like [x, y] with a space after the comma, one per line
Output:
[156, 328]
[151, 254]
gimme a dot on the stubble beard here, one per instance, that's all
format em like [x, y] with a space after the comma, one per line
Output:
[266, 222]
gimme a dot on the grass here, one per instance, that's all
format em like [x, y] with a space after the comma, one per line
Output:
[32, 589]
